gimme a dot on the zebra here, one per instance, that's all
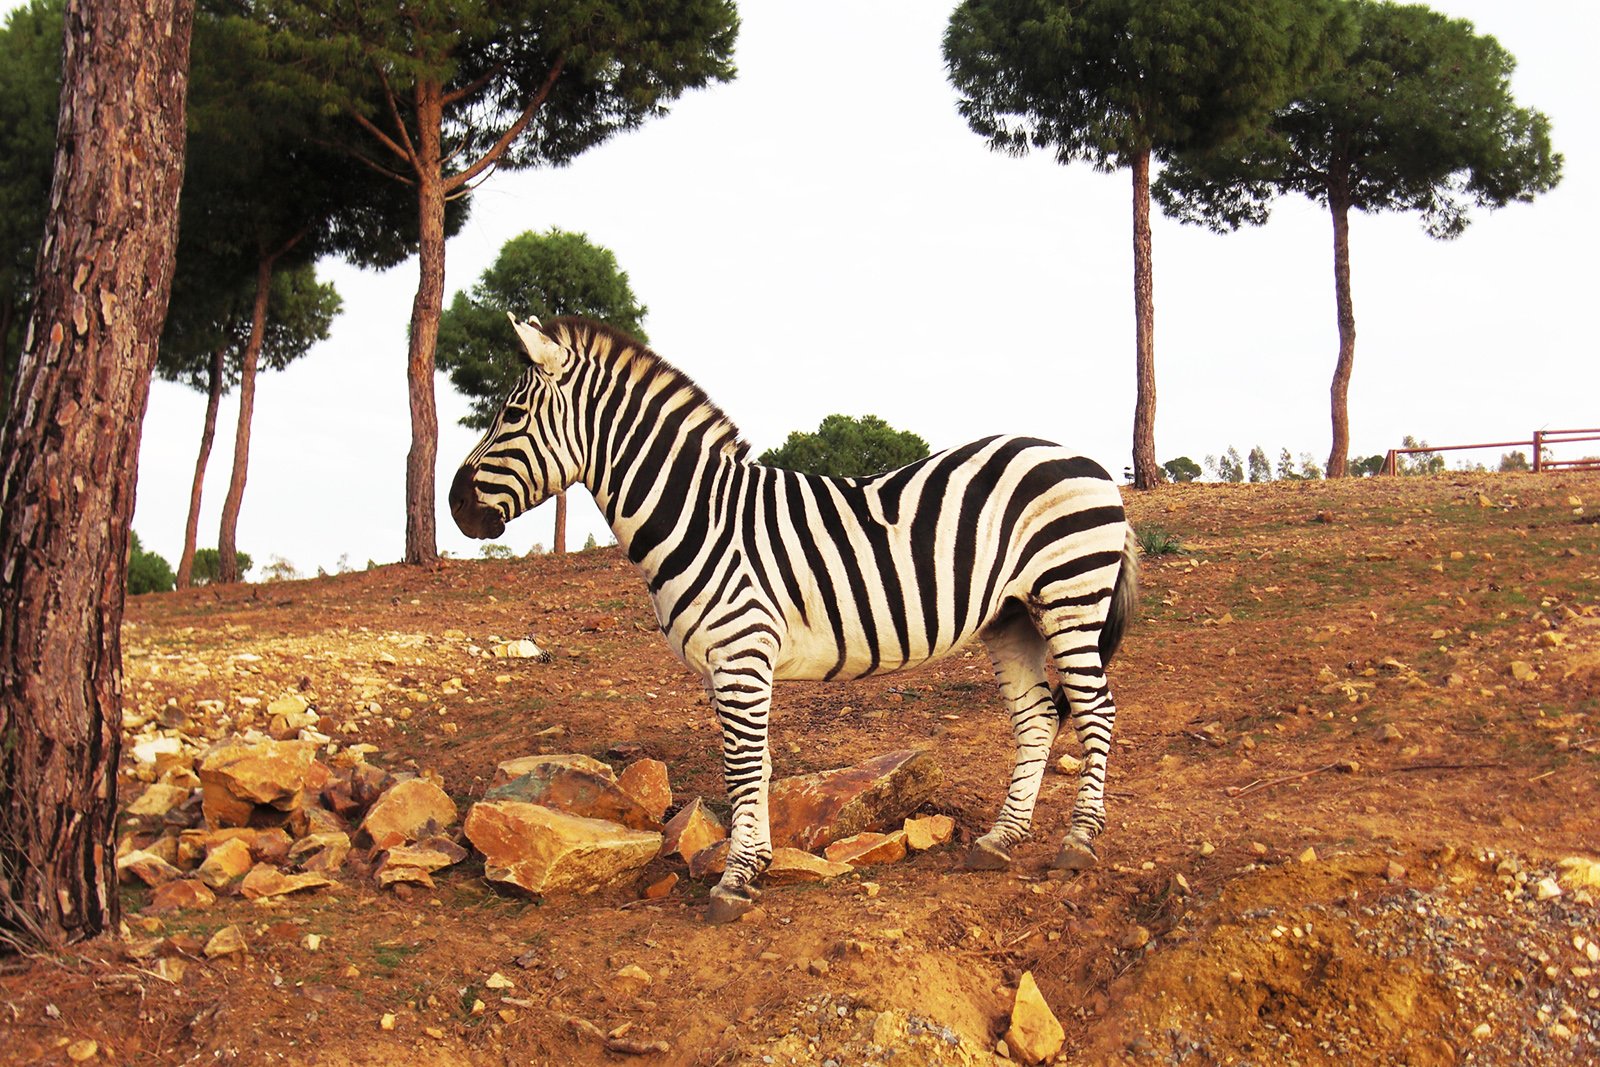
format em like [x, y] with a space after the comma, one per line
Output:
[758, 573]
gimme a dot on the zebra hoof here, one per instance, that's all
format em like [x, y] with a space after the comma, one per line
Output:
[985, 855]
[728, 904]
[1075, 855]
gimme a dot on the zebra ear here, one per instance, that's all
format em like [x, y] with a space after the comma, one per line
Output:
[538, 348]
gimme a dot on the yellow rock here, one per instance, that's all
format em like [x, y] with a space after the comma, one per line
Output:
[1580, 872]
[1035, 1035]
[226, 942]
[928, 831]
[1523, 672]
[82, 1050]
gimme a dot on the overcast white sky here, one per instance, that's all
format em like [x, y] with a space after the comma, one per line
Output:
[824, 234]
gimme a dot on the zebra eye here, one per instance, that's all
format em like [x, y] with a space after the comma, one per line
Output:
[513, 413]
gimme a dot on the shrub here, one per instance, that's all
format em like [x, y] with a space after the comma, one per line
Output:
[1154, 541]
[207, 563]
[148, 572]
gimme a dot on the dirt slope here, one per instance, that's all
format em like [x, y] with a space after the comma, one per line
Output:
[1335, 806]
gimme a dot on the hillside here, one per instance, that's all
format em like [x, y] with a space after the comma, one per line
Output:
[1359, 732]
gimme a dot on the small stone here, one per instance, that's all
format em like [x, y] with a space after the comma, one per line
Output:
[632, 979]
[1206, 848]
[265, 880]
[1069, 764]
[1035, 1035]
[409, 811]
[818, 967]
[498, 981]
[791, 865]
[1580, 872]
[523, 649]
[1390, 732]
[180, 894]
[226, 942]
[83, 1049]
[226, 862]
[1547, 889]
[159, 799]
[311, 942]
[869, 848]
[1523, 672]
[1394, 871]
[1482, 1031]
[386, 1022]
[1258, 848]
[928, 831]
[1136, 938]
[646, 781]
[661, 887]
[692, 829]
[1309, 855]
[149, 868]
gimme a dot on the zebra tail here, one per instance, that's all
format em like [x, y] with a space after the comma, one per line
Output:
[1124, 600]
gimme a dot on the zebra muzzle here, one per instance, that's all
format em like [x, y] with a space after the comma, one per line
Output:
[472, 515]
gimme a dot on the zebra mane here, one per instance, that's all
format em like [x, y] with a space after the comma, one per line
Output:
[599, 341]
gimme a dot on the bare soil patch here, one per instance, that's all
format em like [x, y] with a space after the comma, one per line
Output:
[1359, 731]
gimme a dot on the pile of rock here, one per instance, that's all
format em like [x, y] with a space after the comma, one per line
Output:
[263, 817]
[568, 822]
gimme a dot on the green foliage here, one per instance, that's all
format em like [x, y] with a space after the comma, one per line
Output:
[1366, 466]
[590, 543]
[1260, 467]
[1514, 461]
[1106, 80]
[1182, 469]
[1154, 541]
[148, 572]
[1419, 117]
[1228, 468]
[1418, 463]
[30, 88]
[278, 569]
[846, 447]
[599, 68]
[537, 274]
[496, 551]
[206, 565]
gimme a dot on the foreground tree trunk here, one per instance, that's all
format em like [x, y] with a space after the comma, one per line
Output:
[422, 542]
[208, 433]
[558, 542]
[1146, 471]
[1339, 455]
[227, 536]
[71, 455]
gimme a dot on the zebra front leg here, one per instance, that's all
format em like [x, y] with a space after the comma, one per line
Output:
[742, 693]
[1085, 696]
[1017, 650]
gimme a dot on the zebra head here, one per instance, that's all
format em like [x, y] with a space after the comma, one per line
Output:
[527, 453]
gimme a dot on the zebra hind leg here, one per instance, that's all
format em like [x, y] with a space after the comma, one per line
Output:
[1084, 697]
[1017, 650]
[742, 692]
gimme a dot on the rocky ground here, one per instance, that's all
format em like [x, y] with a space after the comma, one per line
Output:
[1351, 819]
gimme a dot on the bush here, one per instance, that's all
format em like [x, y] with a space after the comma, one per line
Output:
[1182, 469]
[494, 550]
[846, 447]
[208, 562]
[148, 572]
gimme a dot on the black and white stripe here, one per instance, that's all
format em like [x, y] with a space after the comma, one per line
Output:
[759, 573]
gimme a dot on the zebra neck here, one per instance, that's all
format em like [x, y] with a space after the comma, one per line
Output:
[665, 499]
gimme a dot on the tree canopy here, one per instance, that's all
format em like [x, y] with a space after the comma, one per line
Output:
[539, 275]
[442, 92]
[1116, 83]
[1418, 117]
[847, 447]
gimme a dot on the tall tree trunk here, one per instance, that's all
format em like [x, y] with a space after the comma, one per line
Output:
[422, 545]
[70, 459]
[208, 432]
[559, 540]
[1146, 471]
[1339, 455]
[227, 536]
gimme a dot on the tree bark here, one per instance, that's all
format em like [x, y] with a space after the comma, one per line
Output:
[227, 536]
[558, 540]
[8, 309]
[422, 546]
[208, 432]
[1146, 471]
[1339, 455]
[71, 453]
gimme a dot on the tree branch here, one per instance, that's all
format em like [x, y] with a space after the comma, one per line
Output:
[498, 149]
[472, 87]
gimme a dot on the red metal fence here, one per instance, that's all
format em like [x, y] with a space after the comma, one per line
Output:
[1542, 439]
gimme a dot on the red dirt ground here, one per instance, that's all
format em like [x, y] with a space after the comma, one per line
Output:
[1332, 807]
